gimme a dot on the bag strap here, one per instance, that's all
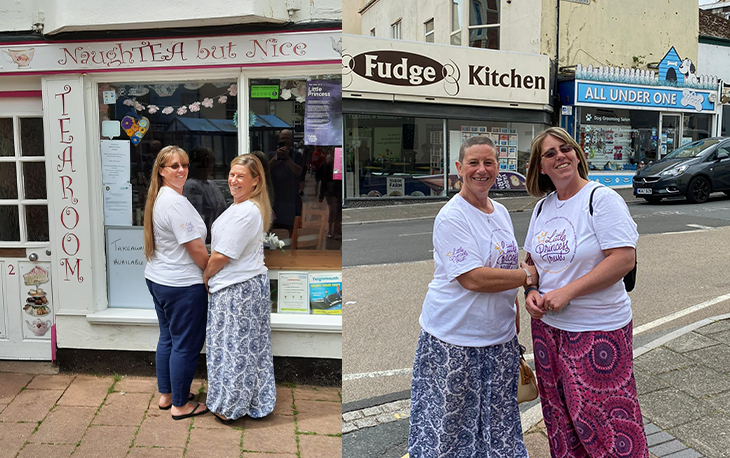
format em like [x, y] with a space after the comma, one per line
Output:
[590, 201]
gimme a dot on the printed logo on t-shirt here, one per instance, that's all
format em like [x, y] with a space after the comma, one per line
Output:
[187, 228]
[503, 253]
[555, 245]
[457, 255]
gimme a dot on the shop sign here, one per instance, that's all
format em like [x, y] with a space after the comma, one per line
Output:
[265, 92]
[626, 96]
[396, 67]
[229, 50]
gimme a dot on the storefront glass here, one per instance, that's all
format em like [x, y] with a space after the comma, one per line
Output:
[616, 139]
[696, 127]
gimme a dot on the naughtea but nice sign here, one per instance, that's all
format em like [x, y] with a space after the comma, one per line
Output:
[398, 67]
[229, 50]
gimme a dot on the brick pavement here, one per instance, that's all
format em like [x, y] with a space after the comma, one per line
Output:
[51, 416]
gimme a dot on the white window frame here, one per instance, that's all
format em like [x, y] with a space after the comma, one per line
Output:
[396, 30]
[469, 28]
[429, 33]
[456, 32]
[372, 32]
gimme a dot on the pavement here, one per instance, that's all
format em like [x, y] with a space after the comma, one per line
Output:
[683, 378]
[49, 415]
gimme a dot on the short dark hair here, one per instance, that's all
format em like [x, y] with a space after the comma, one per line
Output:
[473, 141]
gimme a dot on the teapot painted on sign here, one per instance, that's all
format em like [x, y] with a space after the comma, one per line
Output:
[38, 327]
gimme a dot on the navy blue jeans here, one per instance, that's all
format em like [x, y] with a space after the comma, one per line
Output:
[182, 314]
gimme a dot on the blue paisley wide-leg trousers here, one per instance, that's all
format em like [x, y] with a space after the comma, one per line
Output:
[239, 357]
[464, 401]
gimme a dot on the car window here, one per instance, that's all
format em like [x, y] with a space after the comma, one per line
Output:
[692, 149]
[723, 149]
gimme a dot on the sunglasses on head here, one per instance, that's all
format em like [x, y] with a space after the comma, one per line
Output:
[551, 153]
[176, 166]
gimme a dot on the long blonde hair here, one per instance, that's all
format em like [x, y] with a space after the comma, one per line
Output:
[259, 195]
[164, 156]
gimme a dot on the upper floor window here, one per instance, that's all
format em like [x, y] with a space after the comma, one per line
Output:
[455, 36]
[484, 24]
[428, 27]
[395, 31]
[372, 32]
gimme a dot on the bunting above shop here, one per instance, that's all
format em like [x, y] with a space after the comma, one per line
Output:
[298, 48]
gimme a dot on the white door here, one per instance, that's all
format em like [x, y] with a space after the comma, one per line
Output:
[26, 303]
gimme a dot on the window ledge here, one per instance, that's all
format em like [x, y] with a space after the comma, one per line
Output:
[279, 321]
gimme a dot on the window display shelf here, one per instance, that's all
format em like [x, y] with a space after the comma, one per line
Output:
[303, 260]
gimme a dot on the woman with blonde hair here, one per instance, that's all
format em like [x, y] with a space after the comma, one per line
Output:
[238, 342]
[582, 240]
[176, 258]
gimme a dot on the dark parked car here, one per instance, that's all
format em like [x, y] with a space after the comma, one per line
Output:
[695, 170]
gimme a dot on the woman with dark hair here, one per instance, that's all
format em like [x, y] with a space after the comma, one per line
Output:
[238, 343]
[464, 388]
[582, 240]
[176, 257]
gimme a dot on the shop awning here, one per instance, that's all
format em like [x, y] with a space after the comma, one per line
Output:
[269, 121]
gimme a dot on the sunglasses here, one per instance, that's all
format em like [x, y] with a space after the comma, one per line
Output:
[176, 166]
[551, 153]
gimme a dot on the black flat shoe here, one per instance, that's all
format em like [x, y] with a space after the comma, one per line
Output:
[190, 398]
[224, 420]
[193, 413]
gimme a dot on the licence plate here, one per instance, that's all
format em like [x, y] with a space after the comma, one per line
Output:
[643, 190]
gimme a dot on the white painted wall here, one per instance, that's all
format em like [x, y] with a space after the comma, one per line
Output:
[75, 15]
[519, 23]
[713, 60]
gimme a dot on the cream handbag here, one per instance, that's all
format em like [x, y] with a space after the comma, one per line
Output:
[527, 384]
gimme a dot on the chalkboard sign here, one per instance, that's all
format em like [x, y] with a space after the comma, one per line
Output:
[125, 263]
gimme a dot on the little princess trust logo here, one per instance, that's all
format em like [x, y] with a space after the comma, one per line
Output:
[555, 245]
[187, 227]
[507, 255]
[457, 255]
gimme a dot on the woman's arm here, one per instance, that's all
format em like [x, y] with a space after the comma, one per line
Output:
[196, 249]
[618, 262]
[216, 263]
[495, 280]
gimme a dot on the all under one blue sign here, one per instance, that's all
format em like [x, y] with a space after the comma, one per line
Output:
[643, 96]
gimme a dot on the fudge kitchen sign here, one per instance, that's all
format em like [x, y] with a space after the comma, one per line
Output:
[398, 67]
[233, 50]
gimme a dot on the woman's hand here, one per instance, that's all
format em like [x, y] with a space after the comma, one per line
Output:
[534, 277]
[517, 318]
[532, 306]
[555, 300]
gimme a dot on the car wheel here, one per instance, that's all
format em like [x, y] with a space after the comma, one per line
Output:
[699, 190]
[653, 200]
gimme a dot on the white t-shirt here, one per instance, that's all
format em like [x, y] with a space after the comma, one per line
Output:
[175, 222]
[465, 238]
[566, 242]
[238, 234]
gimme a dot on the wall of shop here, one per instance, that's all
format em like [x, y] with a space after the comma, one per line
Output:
[351, 16]
[613, 33]
[714, 59]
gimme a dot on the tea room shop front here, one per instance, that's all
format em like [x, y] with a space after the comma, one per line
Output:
[80, 126]
[409, 106]
[624, 118]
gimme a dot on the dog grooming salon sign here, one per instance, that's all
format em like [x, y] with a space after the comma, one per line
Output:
[673, 71]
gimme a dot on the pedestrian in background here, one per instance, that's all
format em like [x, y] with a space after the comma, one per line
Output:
[582, 322]
[174, 235]
[464, 388]
[238, 342]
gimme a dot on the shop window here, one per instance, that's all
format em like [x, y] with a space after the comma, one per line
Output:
[484, 24]
[615, 139]
[696, 127]
[389, 156]
[428, 29]
[23, 199]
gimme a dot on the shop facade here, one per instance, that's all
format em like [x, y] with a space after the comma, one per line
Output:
[80, 125]
[625, 118]
[408, 107]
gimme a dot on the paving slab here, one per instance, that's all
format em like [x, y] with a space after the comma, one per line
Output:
[723, 337]
[313, 393]
[718, 326]
[284, 401]
[50, 382]
[106, 442]
[646, 383]
[31, 405]
[160, 430]
[320, 446]
[156, 452]
[319, 417]
[537, 444]
[223, 443]
[699, 381]
[11, 384]
[86, 390]
[671, 407]
[709, 435]
[722, 402]
[689, 342]
[122, 409]
[717, 358]
[662, 360]
[14, 435]
[137, 385]
[64, 425]
[666, 448]
[47, 450]
[273, 433]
